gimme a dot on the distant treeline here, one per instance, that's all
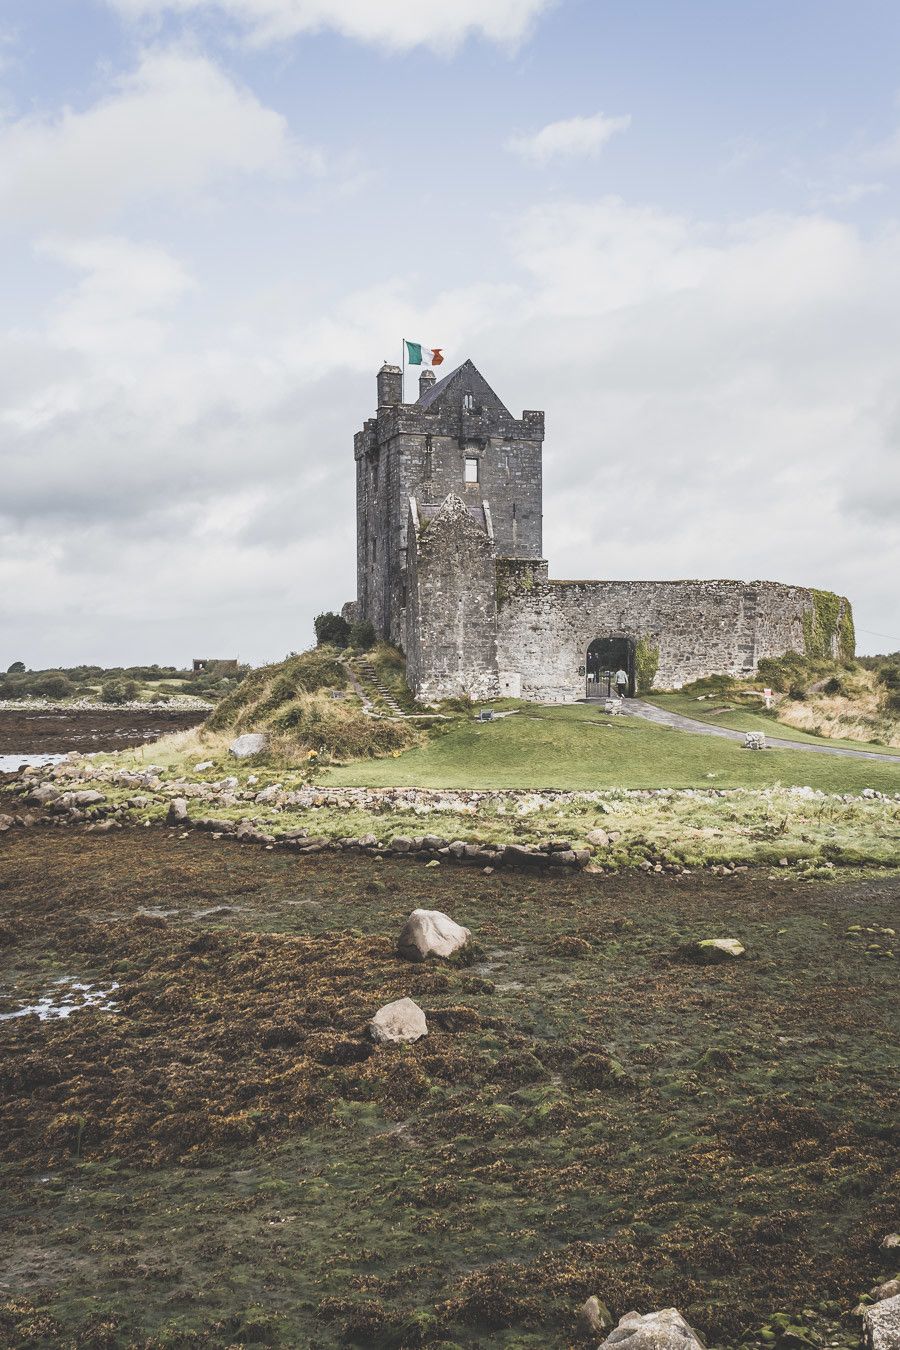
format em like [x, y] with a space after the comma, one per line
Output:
[121, 684]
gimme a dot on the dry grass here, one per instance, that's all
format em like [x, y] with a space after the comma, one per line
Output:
[857, 715]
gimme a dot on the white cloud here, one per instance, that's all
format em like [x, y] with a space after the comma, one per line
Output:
[394, 24]
[720, 401]
[573, 138]
[174, 126]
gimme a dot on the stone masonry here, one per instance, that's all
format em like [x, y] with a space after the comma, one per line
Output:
[449, 565]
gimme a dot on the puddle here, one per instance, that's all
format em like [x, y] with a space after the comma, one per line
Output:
[11, 763]
[69, 996]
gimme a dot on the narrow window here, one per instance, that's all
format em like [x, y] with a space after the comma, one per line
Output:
[468, 403]
[374, 548]
[429, 462]
[471, 469]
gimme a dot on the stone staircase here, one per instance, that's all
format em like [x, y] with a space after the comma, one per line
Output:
[370, 679]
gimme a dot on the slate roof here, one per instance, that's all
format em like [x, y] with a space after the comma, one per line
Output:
[466, 378]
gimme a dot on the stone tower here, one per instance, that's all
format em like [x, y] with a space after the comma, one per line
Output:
[457, 438]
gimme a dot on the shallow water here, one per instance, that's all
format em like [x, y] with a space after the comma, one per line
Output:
[10, 763]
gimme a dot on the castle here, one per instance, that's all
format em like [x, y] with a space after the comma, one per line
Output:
[450, 568]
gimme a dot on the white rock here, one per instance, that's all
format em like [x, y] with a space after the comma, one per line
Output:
[251, 743]
[597, 838]
[269, 794]
[891, 1240]
[664, 1330]
[428, 932]
[201, 768]
[881, 1325]
[720, 949]
[890, 1289]
[402, 1020]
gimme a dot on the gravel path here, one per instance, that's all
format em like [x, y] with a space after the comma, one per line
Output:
[651, 713]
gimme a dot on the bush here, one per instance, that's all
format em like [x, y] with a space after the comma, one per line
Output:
[118, 691]
[331, 630]
[51, 684]
[17, 668]
[834, 686]
[363, 635]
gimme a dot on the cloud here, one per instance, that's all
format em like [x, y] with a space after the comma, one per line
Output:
[721, 400]
[397, 25]
[573, 138]
[173, 127]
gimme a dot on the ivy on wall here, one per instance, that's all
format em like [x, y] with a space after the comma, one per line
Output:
[646, 664]
[828, 628]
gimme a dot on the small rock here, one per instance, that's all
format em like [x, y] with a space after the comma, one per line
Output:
[428, 932]
[402, 1020]
[269, 794]
[719, 949]
[6, 823]
[881, 1324]
[890, 1289]
[891, 1240]
[251, 743]
[177, 812]
[664, 1330]
[597, 839]
[594, 1316]
[201, 768]
[214, 913]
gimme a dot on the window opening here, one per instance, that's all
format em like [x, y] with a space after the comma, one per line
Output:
[471, 469]
[468, 403]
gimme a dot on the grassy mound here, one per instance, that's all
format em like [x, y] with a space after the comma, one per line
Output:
[853, 702]
[306, 705]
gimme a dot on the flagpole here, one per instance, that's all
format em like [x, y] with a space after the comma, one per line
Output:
[403, 369]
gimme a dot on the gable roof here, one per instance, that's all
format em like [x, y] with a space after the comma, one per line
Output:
[465, 379]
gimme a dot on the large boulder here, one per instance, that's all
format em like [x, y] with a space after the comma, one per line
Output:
[664, 1330]
[428, 932]
[402, 1020]
[251, 743]
[881, 1324]
[178, 811]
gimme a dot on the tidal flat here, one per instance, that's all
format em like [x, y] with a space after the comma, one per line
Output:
[221, 1157]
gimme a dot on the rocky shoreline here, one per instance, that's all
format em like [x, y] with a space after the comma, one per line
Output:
[247, 810]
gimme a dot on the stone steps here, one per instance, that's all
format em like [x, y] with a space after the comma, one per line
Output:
[369, 676]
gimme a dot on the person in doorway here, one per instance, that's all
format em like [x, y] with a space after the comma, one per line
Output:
[621, 683]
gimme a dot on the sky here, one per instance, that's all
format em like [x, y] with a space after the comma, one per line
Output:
[673, 225]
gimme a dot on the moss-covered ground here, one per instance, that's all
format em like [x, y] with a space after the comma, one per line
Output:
[577, 747]
[224, 1160]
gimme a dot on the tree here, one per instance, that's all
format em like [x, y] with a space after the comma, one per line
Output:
[17, 668]
[363, 635]
[331, 630]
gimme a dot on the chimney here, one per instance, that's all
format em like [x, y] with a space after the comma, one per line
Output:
[390, 385]
[426, 381]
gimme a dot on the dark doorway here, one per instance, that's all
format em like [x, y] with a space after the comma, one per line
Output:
[606, 656]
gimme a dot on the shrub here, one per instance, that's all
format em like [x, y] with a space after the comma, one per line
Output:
[646, 664]
[52, 684]
[834, 686]
[363, 635]
[17, 668]
[331, 630]
[118, 691]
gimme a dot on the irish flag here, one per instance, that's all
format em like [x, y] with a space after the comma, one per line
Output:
[417, 355]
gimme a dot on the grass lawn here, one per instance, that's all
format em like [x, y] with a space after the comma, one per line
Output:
[223, 1159]
[573, 747]
[744, 719]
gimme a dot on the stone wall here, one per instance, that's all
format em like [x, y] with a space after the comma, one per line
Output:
[419, 450]
[698, 627]
[451, 613]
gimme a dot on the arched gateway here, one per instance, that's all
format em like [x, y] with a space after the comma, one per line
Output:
[605, 656]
